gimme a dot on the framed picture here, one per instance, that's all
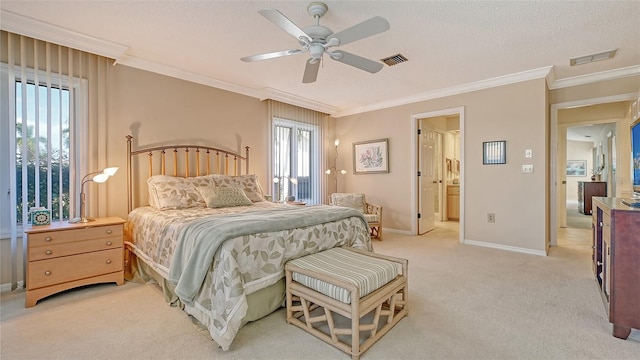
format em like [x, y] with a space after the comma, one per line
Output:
[576, 167]
[494, 152]
[371, 157]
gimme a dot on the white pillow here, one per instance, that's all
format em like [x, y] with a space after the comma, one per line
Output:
[169, 192]
[248, 183]
[225, 197]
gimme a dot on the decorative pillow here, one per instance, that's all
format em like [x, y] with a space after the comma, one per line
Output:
[168, 192]
[225, 197]
[354, 201]
[248, 183]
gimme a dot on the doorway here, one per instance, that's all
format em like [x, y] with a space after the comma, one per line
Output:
[587, 143]
[590, 111]
[438, 148]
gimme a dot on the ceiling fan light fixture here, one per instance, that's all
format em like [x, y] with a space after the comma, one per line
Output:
[316, 51]
[581, 60]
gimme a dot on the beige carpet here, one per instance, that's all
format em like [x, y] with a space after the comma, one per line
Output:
[575, 219]
[466, 302]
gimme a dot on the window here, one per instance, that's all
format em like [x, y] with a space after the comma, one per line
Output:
[295, 161]
[37, 133]
[42, 149]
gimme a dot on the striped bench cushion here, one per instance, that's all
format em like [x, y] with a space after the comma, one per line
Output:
[366, 272]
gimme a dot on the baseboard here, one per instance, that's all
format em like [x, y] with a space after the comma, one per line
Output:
[7, 287]
[505, 247]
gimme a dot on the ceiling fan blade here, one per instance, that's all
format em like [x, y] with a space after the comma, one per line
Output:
[367, 28]
[284, 23]
[356, 61]
[271, 55]
[311, 71]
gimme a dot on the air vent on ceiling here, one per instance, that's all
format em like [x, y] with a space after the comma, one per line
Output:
[592, 58]
[395, 59]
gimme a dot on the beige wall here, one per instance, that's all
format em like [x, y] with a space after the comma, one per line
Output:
[157, 109]
[515, 113]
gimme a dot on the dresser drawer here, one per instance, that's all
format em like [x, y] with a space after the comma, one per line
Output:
[68, 268]
[71, 235]
[51, 251]
[453, 190]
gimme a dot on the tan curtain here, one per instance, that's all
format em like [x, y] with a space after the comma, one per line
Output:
[50, 68]
[282, 111]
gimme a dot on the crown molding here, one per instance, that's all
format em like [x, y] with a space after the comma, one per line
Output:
[26, 26]
[455, 90]
[262, 94]
[595, 77]
[288, 98]
[171, 71]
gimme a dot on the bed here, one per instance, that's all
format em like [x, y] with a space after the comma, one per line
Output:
[199, 226]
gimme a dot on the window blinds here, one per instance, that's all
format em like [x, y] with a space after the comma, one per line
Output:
[53, 94]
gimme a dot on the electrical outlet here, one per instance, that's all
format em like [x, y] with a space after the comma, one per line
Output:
[491, 217]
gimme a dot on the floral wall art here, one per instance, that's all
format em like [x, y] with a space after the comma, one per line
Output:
[371, 157]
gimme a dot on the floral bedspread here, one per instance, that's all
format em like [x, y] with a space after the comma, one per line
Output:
[241, 265]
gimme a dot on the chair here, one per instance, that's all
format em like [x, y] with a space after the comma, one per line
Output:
[372, 212]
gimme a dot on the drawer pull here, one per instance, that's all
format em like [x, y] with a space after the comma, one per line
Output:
[109, 231]
[48, 238]
[48, 252]
[109, 243]
[108, 261]
[47, 273]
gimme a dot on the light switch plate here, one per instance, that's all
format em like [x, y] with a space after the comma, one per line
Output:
[528, 153]
[527, 169]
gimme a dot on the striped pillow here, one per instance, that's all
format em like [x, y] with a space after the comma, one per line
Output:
[366, 272]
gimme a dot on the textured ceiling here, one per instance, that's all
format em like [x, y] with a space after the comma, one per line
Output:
[449, 44]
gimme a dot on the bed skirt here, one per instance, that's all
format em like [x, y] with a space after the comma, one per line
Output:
[260, 303]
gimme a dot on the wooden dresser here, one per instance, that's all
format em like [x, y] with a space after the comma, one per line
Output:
[616, 262]
[588, 189]
[62, 256]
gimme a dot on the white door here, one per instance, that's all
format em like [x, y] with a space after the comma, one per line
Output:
[427, 180]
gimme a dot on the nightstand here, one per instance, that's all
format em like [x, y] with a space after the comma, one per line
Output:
[62, 256]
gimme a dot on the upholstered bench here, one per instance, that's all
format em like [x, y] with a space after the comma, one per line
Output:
[350, 283]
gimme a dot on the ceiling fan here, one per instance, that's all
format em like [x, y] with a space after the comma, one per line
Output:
[317, 40]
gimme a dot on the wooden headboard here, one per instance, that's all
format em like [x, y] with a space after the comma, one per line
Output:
[185, 161]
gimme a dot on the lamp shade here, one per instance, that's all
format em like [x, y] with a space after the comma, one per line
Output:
[100, 178]
[110, 170]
